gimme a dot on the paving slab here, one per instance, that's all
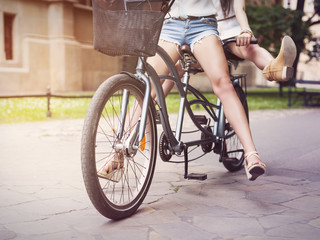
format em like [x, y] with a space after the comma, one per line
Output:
[42, 195]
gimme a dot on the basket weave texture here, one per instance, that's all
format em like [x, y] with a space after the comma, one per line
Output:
[122, 28]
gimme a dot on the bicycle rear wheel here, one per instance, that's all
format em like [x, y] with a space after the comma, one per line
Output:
[100, 142]
[233, 154]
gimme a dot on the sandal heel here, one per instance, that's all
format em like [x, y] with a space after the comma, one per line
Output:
[254, 170]
[249, 176]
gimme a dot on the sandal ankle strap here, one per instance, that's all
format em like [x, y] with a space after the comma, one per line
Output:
[249, 154]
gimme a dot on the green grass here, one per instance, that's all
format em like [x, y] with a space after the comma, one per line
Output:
[14, 110]
[267, 101]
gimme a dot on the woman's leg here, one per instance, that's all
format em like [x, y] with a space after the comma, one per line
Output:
[158, 64]
[254, 53]
[210, 55]
[160, 67]
[167, 85]
[274, 69]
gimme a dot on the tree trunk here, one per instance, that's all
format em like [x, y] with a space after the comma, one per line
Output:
[300, 5]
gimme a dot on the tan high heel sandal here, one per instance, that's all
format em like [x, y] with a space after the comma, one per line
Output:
[254, 169]
[114, 169]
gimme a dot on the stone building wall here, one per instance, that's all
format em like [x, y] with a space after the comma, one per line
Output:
[51, 45]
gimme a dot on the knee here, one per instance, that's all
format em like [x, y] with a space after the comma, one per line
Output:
[222, 86]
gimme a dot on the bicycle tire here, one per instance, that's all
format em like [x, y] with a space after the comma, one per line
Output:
[117, 200]
[232, 146]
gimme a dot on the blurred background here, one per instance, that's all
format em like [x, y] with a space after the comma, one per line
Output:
[49, 44]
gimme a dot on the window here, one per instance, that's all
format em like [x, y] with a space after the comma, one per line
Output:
[286, 3]
[8, 35]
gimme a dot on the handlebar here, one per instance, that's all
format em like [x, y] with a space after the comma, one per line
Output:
[232, 40]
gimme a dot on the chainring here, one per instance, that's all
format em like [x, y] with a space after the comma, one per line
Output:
[164, 150]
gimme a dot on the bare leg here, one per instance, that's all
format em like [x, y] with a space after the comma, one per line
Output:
[274, 69]
[161, 67]
[158, 64]
[254, 53]
[167, 86]
[217, 71]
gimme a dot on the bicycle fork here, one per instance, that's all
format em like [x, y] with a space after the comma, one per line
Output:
[131, 144]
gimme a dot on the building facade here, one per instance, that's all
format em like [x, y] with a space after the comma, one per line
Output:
[48, 43]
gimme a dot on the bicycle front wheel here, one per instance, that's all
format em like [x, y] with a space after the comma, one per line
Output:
[233, 153]
[105, 129]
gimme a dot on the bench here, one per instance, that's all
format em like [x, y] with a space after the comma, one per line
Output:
[309, 95]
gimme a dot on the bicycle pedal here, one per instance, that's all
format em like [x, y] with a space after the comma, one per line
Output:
[228, 159]
[201, 119]
[197, 176]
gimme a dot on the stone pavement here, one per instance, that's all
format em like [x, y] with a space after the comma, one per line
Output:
[42, 195]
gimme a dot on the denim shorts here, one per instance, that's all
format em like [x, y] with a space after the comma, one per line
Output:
[188, 31]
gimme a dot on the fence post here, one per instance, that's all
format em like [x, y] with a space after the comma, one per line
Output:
[48, 101]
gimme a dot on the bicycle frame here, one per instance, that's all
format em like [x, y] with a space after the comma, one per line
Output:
[176, 145]
[174, 139]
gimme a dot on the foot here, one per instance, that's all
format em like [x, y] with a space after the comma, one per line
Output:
[114, 169]
[280, 68]
[254, 166]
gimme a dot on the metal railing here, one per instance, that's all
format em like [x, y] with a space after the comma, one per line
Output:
[48, 95]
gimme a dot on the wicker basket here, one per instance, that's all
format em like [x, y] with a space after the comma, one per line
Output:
[127, 27]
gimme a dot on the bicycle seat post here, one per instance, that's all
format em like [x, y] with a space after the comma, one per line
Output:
[186, 76]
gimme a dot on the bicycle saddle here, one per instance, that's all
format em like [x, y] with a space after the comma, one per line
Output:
[194, 66]
[188, 56]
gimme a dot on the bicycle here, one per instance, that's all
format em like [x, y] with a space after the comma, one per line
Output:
[111, 127]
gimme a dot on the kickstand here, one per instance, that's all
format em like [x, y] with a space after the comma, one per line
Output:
[191, 176]
[185, 152]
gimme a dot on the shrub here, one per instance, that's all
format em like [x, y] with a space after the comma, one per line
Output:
[270, 24]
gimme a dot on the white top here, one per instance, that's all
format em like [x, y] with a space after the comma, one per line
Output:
[195, 8]
[227, 26]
